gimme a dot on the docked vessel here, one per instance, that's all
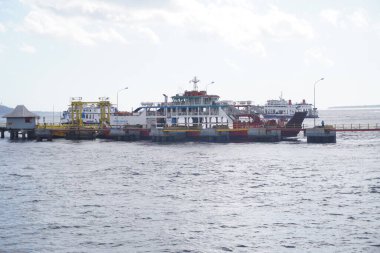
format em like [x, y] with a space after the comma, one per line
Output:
[195, 111]
[280, 108]
[192, 114]
[88, 112]
[193, 108]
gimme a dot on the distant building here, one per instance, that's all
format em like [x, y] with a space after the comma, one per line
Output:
[21, 118]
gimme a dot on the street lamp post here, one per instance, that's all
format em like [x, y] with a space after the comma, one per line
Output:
[315, 108]
[209, 84]
[117, 97]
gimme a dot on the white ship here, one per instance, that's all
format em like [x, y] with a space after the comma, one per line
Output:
[88, 112]
[191, 109]
[280, 108]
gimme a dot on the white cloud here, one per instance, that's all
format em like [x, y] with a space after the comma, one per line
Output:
[359, 19]
[77, 28]
[333, 17]
[318, 55]
[232, 64]
[341, 19]
[27, 49]
[237, 23]
[2, 28]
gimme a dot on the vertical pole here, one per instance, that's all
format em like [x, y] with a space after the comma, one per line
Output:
[315, 108]
[314, 104]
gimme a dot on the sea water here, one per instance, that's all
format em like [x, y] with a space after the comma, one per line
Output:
[107, 196]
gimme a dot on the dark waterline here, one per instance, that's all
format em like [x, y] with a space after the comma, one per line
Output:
[100, 196]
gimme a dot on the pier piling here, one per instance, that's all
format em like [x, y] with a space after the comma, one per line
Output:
[320, 135]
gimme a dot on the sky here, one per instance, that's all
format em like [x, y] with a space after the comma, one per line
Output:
[52, 50]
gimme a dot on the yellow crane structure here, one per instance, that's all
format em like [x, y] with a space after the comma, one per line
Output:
[77, 106]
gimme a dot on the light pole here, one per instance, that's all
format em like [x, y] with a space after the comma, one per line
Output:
[166, 108]
[208, 85]
[117, 97]
[315, 109]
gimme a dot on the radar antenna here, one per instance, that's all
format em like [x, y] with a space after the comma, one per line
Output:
[195, 82]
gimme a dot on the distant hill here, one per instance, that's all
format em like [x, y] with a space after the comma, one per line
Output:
[355, 107]
[4, 109]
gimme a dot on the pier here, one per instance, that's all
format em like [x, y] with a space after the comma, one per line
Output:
[191, 116]
[327, 134]
[2, 130]
[318, 134]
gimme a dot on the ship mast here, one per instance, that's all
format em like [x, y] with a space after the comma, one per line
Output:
[195, 82]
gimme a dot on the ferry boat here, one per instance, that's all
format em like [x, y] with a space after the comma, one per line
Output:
[195, 110]
[280, 108]
[91, 113]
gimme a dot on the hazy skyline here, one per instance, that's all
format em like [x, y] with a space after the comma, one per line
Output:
[52, 50]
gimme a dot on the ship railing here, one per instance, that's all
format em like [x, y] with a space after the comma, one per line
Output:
[174, 114]
[156, 113]
[357, 126]
[152, 104]
[66, 126]
[126, 126]
[199, 125]
[50, 125]
[347, 127]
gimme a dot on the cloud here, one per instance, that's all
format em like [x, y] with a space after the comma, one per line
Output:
[232, 64]
[332, 16]
[86, 22]
[317, 55]
[27, 49]
[359, 19]
[2, 28]
[340, 19]
[77, 28]
[236, 23]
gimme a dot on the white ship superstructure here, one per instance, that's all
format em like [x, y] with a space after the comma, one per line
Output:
[190, 109]
[87, 112]
[280, 108]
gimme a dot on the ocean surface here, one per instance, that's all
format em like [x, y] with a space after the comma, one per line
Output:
[106, 196]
